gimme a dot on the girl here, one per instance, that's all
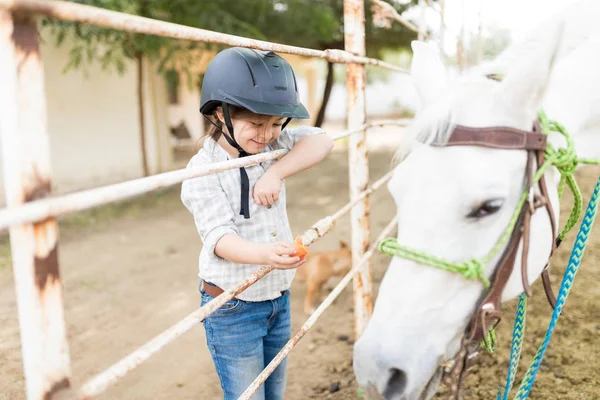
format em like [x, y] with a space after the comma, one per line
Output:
[249, 96]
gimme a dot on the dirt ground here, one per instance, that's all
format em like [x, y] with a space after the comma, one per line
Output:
[129, 272]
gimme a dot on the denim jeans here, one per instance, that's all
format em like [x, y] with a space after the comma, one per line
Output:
[243, 337]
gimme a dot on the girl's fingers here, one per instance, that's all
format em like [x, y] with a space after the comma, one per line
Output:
[285, 249]
[263, 199]
[270, 199]
[299, 263]
[286, 261]
[256, 198]
[294, 265]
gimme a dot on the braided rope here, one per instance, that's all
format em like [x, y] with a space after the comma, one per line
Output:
[563, 293]
[516, 345]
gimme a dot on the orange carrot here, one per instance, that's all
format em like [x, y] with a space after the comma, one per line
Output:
[301, 250]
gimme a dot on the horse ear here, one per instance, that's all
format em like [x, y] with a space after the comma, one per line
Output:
[526, 81]
[428, 71]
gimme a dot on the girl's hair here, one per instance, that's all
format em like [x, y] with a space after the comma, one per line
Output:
[217, 127]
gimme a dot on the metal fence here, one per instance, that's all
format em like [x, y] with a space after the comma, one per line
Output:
[30, 215]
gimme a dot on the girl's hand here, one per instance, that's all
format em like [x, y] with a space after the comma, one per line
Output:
[282, 255]
[267, 188]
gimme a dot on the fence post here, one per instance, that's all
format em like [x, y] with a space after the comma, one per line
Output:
[354, 38]
[26, 155]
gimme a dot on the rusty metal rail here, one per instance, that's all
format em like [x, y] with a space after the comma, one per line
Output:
[57, 206]
[131, 23]
[384, 12]
[69, 203]
[364, 261]
[369, 125]
[102, 381]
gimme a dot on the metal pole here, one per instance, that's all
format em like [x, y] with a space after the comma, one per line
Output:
[73, 202]
[354, 37]
[422, 24]
[443, 28]
[26, 154]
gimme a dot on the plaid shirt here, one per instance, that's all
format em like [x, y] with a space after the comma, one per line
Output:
[214, 201]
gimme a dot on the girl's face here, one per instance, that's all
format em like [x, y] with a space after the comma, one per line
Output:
[254, 131]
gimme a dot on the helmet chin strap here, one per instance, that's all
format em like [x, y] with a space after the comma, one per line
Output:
[245, 182]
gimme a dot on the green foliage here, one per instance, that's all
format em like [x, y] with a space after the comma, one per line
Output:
[306, 23]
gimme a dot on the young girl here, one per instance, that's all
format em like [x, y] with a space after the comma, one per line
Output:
[249, 96]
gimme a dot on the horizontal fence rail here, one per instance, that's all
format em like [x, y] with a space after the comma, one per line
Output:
[131, 23]
[102, 381]
[383, 12]
[69, 203]
[66, 204]
[370, 125]
[315, 315]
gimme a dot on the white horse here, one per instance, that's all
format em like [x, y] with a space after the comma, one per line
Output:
[455, 202]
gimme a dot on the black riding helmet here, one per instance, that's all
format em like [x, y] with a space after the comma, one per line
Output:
[259, 81]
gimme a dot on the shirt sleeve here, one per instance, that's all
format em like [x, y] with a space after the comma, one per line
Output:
[205, 198]
[290, 136]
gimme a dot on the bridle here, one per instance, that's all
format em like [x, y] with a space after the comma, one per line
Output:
[487, 313]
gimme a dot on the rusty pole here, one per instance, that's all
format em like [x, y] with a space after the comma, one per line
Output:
[422, 26]
[354, 38]
[26, 154]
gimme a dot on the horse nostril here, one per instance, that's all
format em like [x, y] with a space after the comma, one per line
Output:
[395, 385]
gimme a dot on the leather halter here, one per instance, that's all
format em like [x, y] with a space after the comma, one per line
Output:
[488, 313]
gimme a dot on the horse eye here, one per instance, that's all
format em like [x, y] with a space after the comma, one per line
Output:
[486, 208]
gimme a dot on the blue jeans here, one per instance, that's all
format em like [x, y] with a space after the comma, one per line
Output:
[243, 337]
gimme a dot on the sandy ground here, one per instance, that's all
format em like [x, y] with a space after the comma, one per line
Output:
[129, 272]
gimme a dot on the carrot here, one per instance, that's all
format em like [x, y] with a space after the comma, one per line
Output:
[301, 250]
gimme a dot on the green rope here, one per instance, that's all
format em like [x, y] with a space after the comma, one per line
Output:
[472, 269]
[566, 161]
[489, 341]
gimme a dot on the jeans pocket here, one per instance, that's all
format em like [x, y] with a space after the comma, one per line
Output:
[231, 307]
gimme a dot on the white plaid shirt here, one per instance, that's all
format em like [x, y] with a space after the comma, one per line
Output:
[214, 201]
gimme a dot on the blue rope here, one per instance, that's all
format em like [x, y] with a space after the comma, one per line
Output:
[565, 287]
[516, 345]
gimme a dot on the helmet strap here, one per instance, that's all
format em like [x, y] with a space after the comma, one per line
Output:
[245, 182]
[285, 123]
[231, 139]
